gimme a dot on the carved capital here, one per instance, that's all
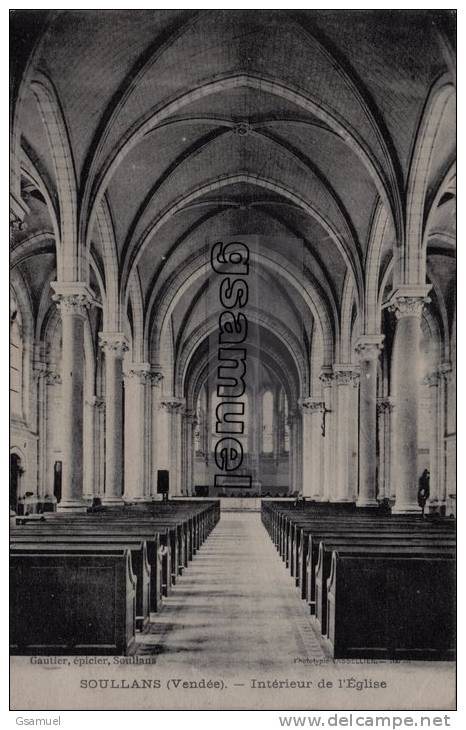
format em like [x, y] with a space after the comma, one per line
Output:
[384, 405]
[18, 212]
[445, 371]
[138, 372]
[173, 405]
[346, 375]
[409, 301]
[326, 377]
[72, 298]
[369, 347]
[191, 418]
[311, 405]
[156, 377]
[39, 370]
[52, 377]
[114, 342]
[433, 379]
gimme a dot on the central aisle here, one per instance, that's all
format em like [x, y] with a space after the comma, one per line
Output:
[234, 609]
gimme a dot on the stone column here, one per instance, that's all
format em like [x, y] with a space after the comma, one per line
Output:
[89, 441]
[384, 410]
[114, 345]
[298, 446]
[436, 383]
[189, 426]
[368, 348]
[276, 425]
[291, 454]
[328, 429]
[39, 379]
[407, 303]
[53, 404]
[135, 380]
[156, 416]
[72, 299]
[312, 438]
[99, 447]
[345, 378]
[445, 371]
[174, 408]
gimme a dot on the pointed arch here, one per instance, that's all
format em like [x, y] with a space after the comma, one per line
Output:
[410, 264]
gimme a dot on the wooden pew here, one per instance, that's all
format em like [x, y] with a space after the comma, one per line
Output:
[45, 544]
[108, 533]
[357, 531]
[391, 606]
[424, 548]
[169, 532]
[377, 522]
[72, 603]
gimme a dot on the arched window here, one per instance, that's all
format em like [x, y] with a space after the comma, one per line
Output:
[267, 422]
[16, 359]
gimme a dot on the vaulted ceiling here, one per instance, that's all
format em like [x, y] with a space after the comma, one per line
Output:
[192, 125]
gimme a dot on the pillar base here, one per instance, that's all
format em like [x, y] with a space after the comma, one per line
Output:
[343, 500]
[71, 505]
[406, 508]
[111, 501]
[138, 498]
[367, 503]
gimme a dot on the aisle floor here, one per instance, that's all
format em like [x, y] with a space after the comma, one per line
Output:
[235, 607]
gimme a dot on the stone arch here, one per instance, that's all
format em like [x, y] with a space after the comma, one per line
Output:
[198, 267]
[106, 233]
[74, 262]
[379, 228]
[447, 185]
[410, 265]
[261, 318]
[198, 375]
[137, 308]
[348, 300]
[352, 261]
[23, 299]
[154, 117]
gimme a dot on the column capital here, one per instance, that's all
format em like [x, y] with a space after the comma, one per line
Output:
[445, 371]
[114, 342]
[326, 377]
[369, 347]
[18, 212]
[191, 417]
[39, 369]
[72, 297]
[138, 371]
[293, 417]
[52, 377]
[156, 377]
[346, 374]
[173, 405]
[311, 405]
[433, 379]
[409, 301]
[385, 405]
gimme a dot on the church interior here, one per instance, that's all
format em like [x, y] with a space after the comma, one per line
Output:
[324, 142]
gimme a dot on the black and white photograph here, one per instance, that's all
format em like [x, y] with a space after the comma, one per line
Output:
[232, 362]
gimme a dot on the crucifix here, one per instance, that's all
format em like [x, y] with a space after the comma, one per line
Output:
[325, 410]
